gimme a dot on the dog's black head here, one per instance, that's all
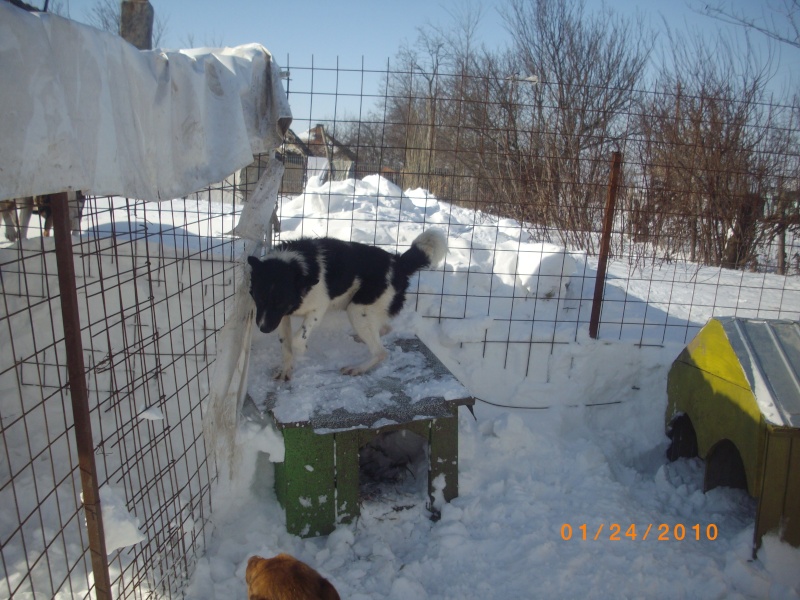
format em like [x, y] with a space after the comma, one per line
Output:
[278, 287]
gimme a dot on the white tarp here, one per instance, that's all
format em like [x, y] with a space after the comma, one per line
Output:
[229, 379]
[82, 109]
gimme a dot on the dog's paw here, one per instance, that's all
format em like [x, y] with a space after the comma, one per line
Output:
[356, 370]
[283, 374]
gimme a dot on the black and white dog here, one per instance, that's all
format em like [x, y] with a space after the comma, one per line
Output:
[306, 277]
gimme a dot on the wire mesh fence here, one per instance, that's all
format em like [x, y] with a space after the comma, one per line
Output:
[708, 191]
[705, 225]
[153, 282]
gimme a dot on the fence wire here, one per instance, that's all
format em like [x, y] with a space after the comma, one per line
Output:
[705, 226]
[709, 192]
[153, 282]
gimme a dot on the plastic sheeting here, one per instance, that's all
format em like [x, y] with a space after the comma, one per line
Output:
[229, 380]
[84, 110]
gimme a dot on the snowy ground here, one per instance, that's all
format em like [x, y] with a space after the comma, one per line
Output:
[583, 445]
[569, 431]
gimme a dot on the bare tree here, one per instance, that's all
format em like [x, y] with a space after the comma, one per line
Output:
[709, 153]
[424, 96]
[106, 15]
[213, 40]
[780, 20]
[365, 136]
[524, 132]
[589, 66]
[782, 216]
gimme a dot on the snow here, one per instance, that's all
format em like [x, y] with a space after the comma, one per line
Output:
[152, 414]
[754, 369]
[120, 527]
[579, 442]
[317, 386]
[568, 432]
[37, 424]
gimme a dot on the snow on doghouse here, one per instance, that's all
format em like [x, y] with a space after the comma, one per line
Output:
[734, 400]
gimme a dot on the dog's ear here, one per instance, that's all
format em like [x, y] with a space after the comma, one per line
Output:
[252, 565]
[253, 261]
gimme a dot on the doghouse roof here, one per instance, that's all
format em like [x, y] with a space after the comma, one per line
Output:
[768, 352]
[393, 404]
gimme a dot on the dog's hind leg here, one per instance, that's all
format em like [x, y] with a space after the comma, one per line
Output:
[25, 214]
[45, 206]
[368, 322]
[386, 329]
[10, 219]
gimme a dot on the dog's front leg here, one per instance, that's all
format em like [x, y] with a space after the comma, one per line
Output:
[285, 336]
[300, 340]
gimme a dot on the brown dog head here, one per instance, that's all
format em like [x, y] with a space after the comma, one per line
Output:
[285, 578]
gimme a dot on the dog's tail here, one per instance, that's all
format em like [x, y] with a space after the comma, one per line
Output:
[428, 249]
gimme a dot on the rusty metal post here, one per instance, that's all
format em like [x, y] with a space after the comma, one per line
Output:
[79, 395]
[605, 243]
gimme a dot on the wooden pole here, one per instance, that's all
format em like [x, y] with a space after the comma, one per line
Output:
[136, 23]
[605, 243]
[79, 395]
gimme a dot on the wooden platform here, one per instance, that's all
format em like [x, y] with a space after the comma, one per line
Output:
[318, 482]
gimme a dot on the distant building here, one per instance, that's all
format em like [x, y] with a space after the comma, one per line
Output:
[312, 153]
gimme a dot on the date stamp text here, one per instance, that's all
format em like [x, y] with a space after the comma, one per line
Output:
[662, 532]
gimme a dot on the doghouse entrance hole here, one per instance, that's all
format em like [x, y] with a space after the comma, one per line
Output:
[684, 439]
[724, 467]
[393, 465]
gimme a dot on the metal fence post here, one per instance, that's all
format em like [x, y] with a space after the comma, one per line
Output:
[79, 395]
[605, 243]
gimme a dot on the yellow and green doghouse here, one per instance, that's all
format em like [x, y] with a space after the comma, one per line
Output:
[734, 401]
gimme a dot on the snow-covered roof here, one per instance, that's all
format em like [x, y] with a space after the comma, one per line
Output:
[769, 353]
[411, 384]
[83, 109]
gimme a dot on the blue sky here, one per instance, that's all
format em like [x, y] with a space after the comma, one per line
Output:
[352, 33]
[352, 29]
[358, 27]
